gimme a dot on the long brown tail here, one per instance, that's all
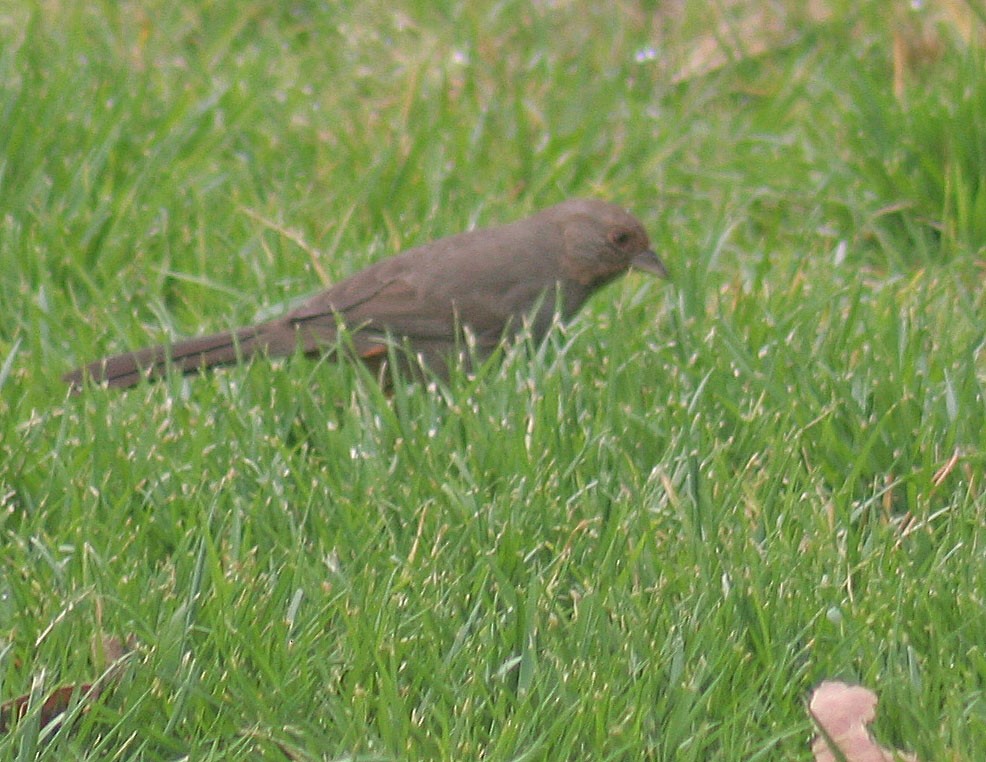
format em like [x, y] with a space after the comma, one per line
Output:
[189, 356]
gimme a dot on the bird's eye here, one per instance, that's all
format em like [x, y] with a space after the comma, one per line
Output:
[620, 237]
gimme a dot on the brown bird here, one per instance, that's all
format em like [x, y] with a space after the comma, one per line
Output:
[488, 284]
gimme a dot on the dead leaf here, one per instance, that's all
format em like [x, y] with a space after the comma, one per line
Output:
[106, 650]
[923, 31]
[842, 712]
[748, 30]
[57, 702]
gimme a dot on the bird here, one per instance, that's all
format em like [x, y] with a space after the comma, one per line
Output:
[486, 285]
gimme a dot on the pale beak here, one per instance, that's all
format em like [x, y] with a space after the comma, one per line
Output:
[649, 262]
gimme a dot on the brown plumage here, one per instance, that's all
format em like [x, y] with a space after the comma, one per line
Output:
[488, 282]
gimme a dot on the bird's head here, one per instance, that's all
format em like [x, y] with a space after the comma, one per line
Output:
[603, 241]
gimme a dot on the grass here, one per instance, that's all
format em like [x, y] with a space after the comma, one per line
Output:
[648, 538]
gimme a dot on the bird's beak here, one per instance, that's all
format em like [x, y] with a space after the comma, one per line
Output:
[649, 262]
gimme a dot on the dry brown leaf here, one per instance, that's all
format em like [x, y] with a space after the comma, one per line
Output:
[739, 30]
[107, 650]
[921, 33]
[57, 702]
[842, 712]
[752, 29]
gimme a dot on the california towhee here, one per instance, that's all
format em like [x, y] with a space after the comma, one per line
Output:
[486, 283]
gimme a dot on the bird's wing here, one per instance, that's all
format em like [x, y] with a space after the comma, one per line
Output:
[425, 294]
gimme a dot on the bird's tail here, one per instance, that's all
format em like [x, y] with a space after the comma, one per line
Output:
[189, 356]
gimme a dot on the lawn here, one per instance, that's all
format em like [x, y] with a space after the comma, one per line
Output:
[648, 538]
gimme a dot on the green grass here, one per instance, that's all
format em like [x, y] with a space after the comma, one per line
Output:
[647, 539]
